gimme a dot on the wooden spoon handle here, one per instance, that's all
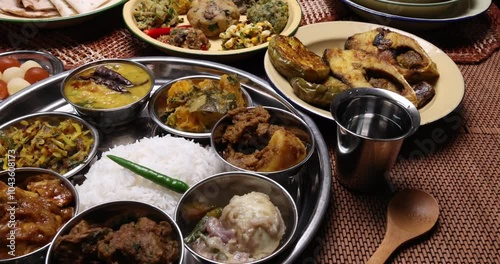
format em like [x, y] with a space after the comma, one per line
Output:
[384, 251]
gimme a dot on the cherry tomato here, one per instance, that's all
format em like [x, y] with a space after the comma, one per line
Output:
[4, 92]
[35, 74]
[7, 62]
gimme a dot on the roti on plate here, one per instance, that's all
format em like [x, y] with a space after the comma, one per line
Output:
[64, 8]
[84, 6]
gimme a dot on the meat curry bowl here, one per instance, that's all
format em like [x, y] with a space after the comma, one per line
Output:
[61, 142]
[190, 106]
[118, 232]
[263, 139]
[35, 203]
[109, 92]
[237, 217]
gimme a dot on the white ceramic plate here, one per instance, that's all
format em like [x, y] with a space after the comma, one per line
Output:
[59, 22]
[215, 52]
[450, 87]
[462, 10]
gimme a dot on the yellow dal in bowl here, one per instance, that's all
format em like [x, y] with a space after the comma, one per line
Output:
[89, 94]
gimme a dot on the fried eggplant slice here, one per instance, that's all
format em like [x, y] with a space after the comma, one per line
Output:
[291, 58]
[317, 94]
[360, 69]
[402, 51]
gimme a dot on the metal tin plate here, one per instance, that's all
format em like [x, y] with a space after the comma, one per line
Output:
[311, 190]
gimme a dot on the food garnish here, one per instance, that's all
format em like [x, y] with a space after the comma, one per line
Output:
[154, 176]
[156, 32]
[111, 79]
[202, 224]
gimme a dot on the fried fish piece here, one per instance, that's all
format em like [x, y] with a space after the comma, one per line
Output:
[400, 50]
[357, 68]
[291, 58]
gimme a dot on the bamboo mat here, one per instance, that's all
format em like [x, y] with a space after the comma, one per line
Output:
[460, 168]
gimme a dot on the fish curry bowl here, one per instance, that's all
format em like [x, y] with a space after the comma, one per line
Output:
[109, 92]
[118, 232]
[236, 217]
[263, 139]
[37, 203]
[190, 106]
[59, 141]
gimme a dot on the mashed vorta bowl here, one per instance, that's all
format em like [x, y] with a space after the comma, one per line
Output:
[278, 117]
[159, 99]
[93, 98]
[15, 178]
[217, 191]
[114, 215]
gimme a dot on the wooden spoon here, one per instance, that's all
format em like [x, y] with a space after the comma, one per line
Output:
[410, 213]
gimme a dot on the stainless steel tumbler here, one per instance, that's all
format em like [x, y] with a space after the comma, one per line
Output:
[372, 124]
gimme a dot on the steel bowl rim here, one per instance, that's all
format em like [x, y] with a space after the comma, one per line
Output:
[310, 149]
[397, 99]
[93, 131]
[246, 174]
[105, 61]
[76, 201]
[193, 135]
[418, 5]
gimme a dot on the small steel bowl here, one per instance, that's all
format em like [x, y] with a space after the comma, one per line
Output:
[278, 117]
[48, 61]
[127, 211]
[217, 190]
[160, 96]
[20, 175]
[109, 118]
[55, 118]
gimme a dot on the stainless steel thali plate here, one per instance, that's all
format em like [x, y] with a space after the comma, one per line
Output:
[310, 189]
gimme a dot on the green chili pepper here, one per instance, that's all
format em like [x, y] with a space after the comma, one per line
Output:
[201, 225]
[154, 176]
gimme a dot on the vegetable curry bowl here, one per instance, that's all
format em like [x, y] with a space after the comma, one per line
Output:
[190, 106]
[109, 92]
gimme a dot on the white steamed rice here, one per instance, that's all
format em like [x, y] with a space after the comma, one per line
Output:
[177, 157]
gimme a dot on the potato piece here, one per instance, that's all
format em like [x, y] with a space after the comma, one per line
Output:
[283, 151]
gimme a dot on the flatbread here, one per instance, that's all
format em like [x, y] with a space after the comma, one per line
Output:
[65, 10]
[22, 12]
[84, 6]
[38, 5]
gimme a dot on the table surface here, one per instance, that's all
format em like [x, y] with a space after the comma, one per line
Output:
[456, 159]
